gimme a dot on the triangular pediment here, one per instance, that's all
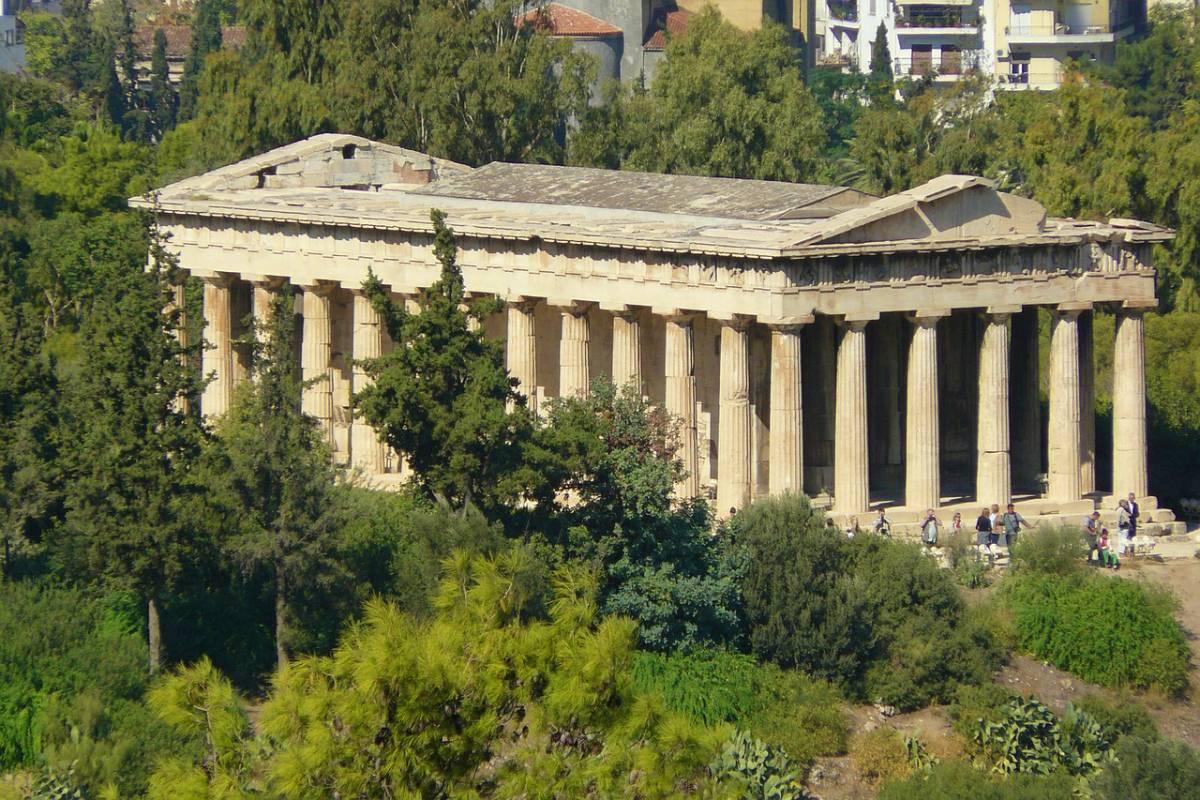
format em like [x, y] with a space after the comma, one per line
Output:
[948, 207]
[327, 160]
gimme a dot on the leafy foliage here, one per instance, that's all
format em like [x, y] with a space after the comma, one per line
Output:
[1059, 550]
[1139, 646]
[953, 780]
[765, 773]
[1028, 738]
[1162, 770]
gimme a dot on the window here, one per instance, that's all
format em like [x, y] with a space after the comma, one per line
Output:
[951, 60]
[1018, 68]
[922, 59]
[10, 37]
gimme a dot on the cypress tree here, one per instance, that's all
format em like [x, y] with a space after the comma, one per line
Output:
[162, 96]
[881, 56]
[206, 38]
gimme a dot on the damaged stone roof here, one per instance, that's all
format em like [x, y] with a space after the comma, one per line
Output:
[644, 191]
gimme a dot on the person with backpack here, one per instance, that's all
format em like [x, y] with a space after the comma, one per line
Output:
[883, 526]
[929, 529]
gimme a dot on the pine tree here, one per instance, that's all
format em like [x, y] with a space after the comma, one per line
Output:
[275, 478]
[206, 38]
[162, 100]
[132, 469]
[440, 395]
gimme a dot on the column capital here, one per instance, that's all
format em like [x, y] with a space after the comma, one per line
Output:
[1072, 310]
[567, 306]
[522, 301]
[320, 287]
[219, 279]
[264, 281]
[730, 319]
[787, 324]
[1002, 313]
[927, 317]
[619, 309]
[1138, 306]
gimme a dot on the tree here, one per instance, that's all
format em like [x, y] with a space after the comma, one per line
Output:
[206, 38]
[440, 395]
[274, 479]
[615, 456]
[881, 56]
[162, 100]
[724, 103]
[132, 470]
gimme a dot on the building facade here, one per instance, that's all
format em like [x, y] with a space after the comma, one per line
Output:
[1023, 44]
[12, 37]
[808, 338]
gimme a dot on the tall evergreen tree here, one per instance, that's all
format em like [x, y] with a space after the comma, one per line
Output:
[206, 38]
[275, 478]
[440, 396]
[136, 447]
[162, 100]
[881, 55]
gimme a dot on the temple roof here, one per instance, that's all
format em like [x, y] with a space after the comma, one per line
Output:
[348, 181]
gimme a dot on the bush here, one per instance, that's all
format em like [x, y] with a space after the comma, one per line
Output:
[785, 709]
[955, 780]
[1124, 718]
[764, 772]
[877, 617]
[977, 705]
[1149, 770]
[880, 755]
[1106, 630]
[1058, 550]
[1030, 739]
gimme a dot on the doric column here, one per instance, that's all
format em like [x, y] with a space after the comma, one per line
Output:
[367, 452]
[1025, 404]
[262, 301]
[734, 450]
[786, 453]
[922, 462]
[317, 399]
[1087, 406]
[1129, 405]
[522, 347]
[626, 348]
[573, 348]
[217, 359]
[851, 486]
[178, 306]
[680, 397]
[993, 467]
[1064, 455]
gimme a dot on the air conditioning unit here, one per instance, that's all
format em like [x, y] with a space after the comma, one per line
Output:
[1001, 54]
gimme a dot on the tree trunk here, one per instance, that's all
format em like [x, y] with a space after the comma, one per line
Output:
[281, 653]
[154, 635]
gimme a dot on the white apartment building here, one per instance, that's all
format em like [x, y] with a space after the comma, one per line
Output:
[1024, 44]
[12, 38]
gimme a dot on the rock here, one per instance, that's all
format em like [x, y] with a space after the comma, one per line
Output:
[886, 711]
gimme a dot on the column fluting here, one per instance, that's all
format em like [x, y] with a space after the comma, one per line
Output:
[521, 348]
[734, 451]
[922, 462]
[217, 360]
[786, 446]
[851, 480]
[680, 396]
[993, 467]
[1064, 452]
[627, 349]
[573, 351]
[315, 353]
[1130, 473]
[367, 452]
[1087, 405]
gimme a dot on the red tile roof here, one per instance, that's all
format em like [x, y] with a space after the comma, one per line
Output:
[179, 39]
[560, 20]
[666, 20]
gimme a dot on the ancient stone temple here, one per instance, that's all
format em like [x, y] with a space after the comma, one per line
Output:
[809, 338]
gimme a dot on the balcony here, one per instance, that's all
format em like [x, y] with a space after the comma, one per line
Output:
[946, 22]
[843, 13]
[1062, 33]
[837, 59]
[946, 65]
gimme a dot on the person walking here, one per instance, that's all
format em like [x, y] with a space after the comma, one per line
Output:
[1108, 558]
[1091, 534]
[983, 529]
[1012, 525]
[929, 529]
[1135, 514]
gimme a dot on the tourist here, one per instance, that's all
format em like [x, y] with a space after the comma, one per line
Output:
[997, 520]
[1091, 532]
[1124, 525]
[929, 529]
[853, 527]
[956, 523]
[983, 527]
[1108, 558]
[1135, 513]
[1012, 525]
[883, 526]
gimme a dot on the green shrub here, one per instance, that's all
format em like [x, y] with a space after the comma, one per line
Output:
[954, 780]
[880, 755]
[710, 686]
[1106, 630]
[764, 772]
[876, 616]
[1057, 550]
[1127, 717]
[786, 709]
[1030, 739]
[1149, 770]
[970, 569]
[975, 705]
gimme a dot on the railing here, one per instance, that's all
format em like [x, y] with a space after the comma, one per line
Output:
[936, 21]
[837, 59]
[1056, 29]
[946, 63]
[843, 11]
[1010, 78]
